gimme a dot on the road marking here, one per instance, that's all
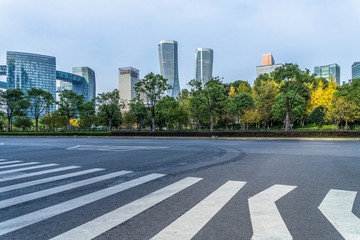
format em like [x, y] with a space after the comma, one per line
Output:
[186, 226]
[25, 175]
[18, 165]
[40, 215]
[47, 180]
[2, 163]
[107, 221]
[336, 207]
[28, 168]
[113, 148]
[266, 220]
[31, 196]
[73, 147]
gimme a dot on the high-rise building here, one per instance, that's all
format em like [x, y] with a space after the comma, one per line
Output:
[73, 82]
[268, 59]
[128, 77]
[3, 86]
[327, 71]
[28, 70]
[168, 57]
[203, 64]
[89, 75]
[268, 65]
[355, 70]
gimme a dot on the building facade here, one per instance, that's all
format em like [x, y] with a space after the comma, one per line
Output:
[355, 70]
[28, 70]
[128, 77]
[268, 59]
[327, 71]
[168, 58]
[69, 81]
[90, 86]
[268, 65]
[203, 64]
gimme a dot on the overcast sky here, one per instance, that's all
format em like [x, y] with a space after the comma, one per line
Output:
[109, 34]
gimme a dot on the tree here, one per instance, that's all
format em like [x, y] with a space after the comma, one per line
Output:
[140, 111]
[342, 109]
[291, 80]
[87, 114]
[109, 108]
[249, 116]
[317, 116]
[298, 108]
[152, 86]
[14, 103]
[39, 101]
[54, 121]
[212, 96]
[69, 105]
[23, 122]
[323, 94]
[129, 119]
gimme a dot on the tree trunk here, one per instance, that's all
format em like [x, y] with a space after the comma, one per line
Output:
[36, 124]
[110, 125]
[211, 121]
[287, 119]
[153, 119]
[9, 123]
[69, 125]
[346, 124]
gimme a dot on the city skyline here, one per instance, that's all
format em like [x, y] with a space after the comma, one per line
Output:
[235, 31]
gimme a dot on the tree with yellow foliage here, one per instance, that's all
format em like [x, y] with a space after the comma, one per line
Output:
[322, 95]
[342, 109]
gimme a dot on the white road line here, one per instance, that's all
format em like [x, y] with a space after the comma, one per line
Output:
[40, 215]
[266, 220]
[107, 221]
[25, 175]
[18, 165]
[2, 163]
[73, 147]
[28, 168]
[31, 196]
[186, 226]
[336, 207]
[47, 180]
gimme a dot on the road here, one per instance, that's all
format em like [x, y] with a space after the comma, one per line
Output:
[101, 188]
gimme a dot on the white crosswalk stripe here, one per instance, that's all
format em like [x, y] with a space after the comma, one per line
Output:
[336, 207]
[266, 220]
[31, 196]
[18, 165]
[27, 168]
[104, 223]
[192, 221]
[45, 213]
[26, 175]
[47, 180]
[3, 163]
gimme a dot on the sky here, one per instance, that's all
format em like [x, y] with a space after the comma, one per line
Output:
[109, 34]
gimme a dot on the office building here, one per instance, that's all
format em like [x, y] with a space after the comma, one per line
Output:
[168, 57]
[267, 59]
[89, 90]
[3, 86]
[327, 71]
[128, 77]
[28, 70]
[355, 70]
[268, 65]
[69, 81]
[203, 64]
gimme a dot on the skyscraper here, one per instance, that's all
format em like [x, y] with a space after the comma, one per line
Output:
[327, 71]
[28, 70]
[355, 70]
[268, 65]
[168, 57]
[268, 59]
[203, 64]
[89, 75]
[128, 77]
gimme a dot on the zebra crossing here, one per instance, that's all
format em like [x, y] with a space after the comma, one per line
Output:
[266, 219]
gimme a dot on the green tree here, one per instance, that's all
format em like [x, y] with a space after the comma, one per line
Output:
[166, 109]
[39, 101]
[53, 121]
[23, 122]
[129, 119]
[212, 96]
[87, 115]
[109, 108]
[69, 105]
[152, 86]
[291, 80]
[342, 109]
[14, 103]
[141, 112]
[317, 116]
[298, 108]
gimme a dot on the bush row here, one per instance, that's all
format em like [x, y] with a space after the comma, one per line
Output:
[55, 133]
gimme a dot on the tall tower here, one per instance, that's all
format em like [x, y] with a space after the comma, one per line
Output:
[203, 64]
[128, 77]
[89, 75]
[168, 57]
[327, 71]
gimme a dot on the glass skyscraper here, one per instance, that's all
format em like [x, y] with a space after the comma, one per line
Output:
[327, 71]
[355, 70]
[28, 70]
[168, 57]
[89, 75]
[203, 64]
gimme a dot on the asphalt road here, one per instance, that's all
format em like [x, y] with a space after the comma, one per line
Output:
[178, 189]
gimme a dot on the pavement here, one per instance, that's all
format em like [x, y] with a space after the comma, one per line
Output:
[104, 188]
